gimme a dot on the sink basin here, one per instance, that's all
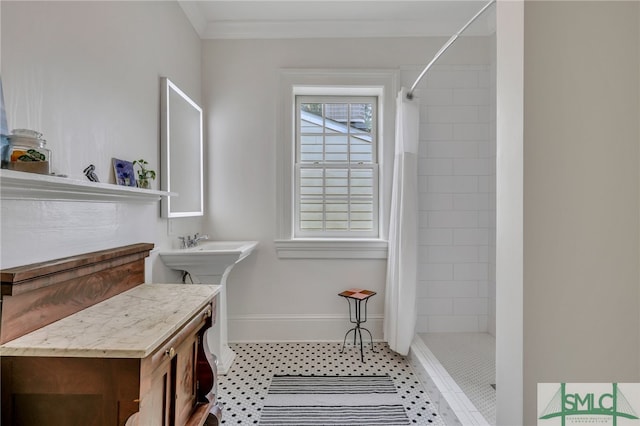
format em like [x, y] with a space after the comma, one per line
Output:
[210, 263]
[210, 260]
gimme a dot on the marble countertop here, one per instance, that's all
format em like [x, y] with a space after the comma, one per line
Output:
[130, 325]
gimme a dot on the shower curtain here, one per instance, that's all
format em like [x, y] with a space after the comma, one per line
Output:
[400, 295]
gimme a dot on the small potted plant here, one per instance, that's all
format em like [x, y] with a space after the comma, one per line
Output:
[144, 174]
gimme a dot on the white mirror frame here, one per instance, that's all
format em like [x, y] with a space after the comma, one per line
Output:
[181, 156]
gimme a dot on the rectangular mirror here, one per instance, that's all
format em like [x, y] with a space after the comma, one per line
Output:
[181, 152]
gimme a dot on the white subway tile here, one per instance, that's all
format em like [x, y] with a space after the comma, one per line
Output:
[435, 166]
[435, 201]
[452, 78]
[475, 306]
[483, 289]
[453, 114]
[485, 113]
[435, 237]
[452, 254]
[484, 184]
[422, 254]
[470, 271]
[471, 201]
[483, 323]
[423, 184]
[453, 219]
[422, 324]
[469, 67]
[422, 289]
[484, 218]
[483, 254]
[471, 167]
[475, 236]
[433, 96]
[469, 131]
[484, 78]
[435, 272]
[452, 184]
[453, 324]
[471, 96]
[452, 149]
[485, 149]
[452, 289]
[436, 131]
[436, 306]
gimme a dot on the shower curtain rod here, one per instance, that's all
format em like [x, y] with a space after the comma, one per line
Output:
[445, 47]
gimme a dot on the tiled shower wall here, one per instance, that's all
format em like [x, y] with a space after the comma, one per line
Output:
[456, 183]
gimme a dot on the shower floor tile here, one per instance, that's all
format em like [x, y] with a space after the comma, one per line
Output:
[469, 358]
[243, 389]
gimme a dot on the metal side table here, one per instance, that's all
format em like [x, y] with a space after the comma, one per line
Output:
[356, 316]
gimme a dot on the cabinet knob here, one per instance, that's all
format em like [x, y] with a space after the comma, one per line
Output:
[170, 352]
[207, 313]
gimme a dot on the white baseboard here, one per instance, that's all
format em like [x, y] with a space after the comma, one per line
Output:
[298, 328]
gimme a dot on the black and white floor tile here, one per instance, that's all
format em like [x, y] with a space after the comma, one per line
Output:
[243, 389]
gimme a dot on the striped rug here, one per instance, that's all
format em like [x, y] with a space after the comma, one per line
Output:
[333, 400]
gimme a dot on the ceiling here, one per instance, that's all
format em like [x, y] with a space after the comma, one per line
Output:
[255, 19]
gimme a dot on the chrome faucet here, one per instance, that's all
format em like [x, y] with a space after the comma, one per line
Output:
[189, 241]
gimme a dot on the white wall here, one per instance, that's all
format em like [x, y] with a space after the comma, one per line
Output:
[284, 299]
[86, 74]
[581, 166]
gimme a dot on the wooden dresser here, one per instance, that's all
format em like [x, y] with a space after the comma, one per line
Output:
[84, 342]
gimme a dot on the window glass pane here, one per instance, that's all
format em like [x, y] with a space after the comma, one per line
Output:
[309, 225]
[312, 108]
[311, 182]
[311, 118]
[337, 112]
[361, 149]
[360, 119]
[312, 215]
[311, 148]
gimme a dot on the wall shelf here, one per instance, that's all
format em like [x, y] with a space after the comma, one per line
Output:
[31, 186]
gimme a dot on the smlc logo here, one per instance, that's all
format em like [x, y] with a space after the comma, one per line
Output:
[592, 403]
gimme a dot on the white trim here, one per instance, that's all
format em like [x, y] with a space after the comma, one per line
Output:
[381, 83]
[331, 249]
[326, 29]
[298, 328]
[510, 213]
[450, 401]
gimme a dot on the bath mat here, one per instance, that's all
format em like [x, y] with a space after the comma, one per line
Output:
[333, 400]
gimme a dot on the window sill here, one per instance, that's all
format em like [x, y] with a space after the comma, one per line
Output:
[331, 249]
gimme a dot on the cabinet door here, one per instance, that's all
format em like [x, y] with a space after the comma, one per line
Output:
[155, 405]
[168, 387]
[185, 383]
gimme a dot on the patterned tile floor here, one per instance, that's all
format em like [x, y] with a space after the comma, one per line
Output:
[243, 389]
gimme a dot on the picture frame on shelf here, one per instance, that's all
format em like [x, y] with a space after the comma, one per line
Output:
[124, 173]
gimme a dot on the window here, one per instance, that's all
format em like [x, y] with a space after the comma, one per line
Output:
[336, 168]
[334, 163]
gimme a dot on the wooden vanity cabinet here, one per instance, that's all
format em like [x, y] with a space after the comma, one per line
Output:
[167, 388]
[164, 376]
[174, 383]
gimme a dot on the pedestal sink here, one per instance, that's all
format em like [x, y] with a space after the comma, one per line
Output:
[210, 263]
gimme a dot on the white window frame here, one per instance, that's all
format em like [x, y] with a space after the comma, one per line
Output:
[379, 83]
[347, 165]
